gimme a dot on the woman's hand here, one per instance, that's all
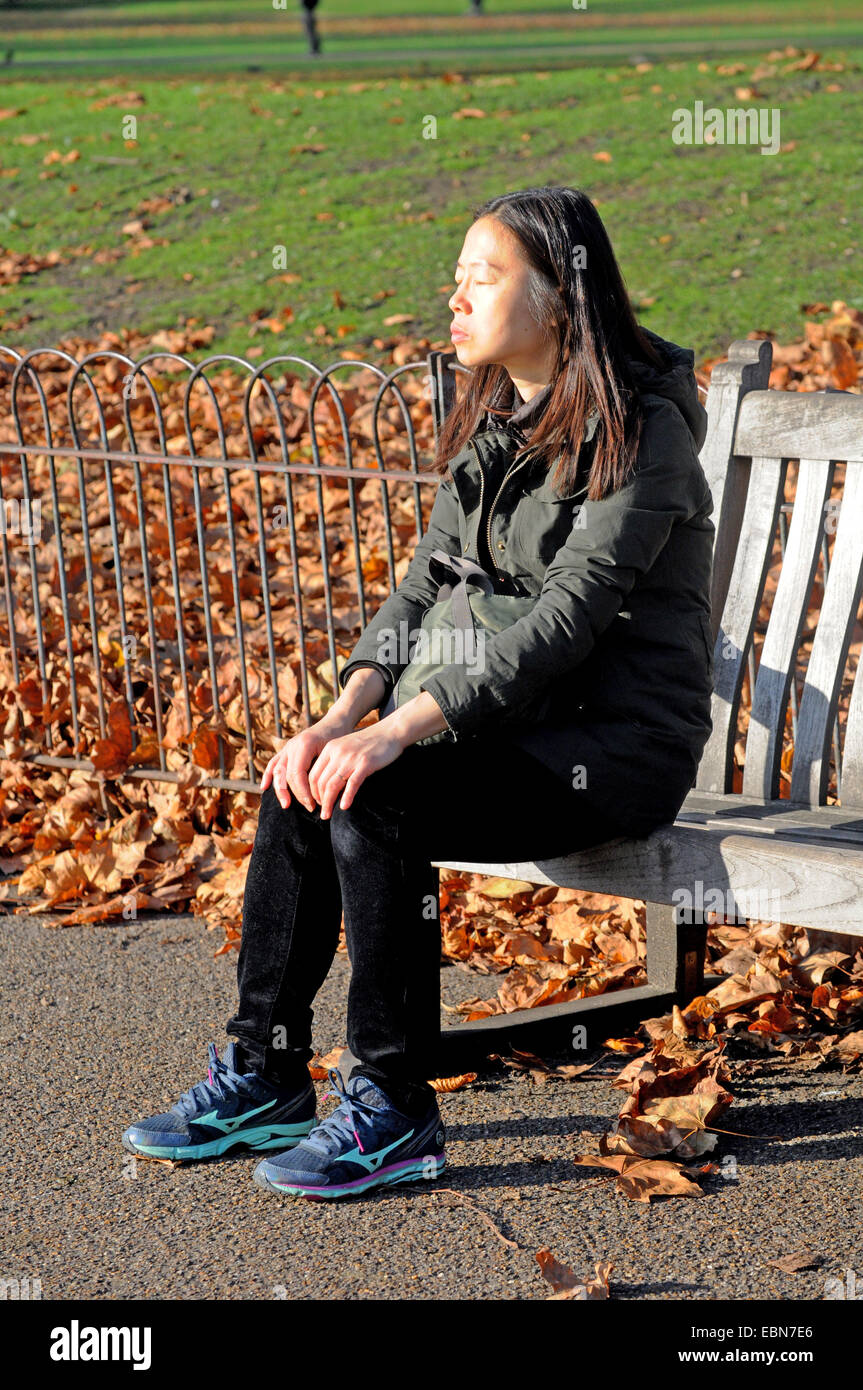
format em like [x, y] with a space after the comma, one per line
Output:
[344, 756]
[290, 766]
[347, 761]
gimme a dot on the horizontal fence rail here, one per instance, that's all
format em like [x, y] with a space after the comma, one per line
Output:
[182, 571]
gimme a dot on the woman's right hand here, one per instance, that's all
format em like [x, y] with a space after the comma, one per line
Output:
[290, 766]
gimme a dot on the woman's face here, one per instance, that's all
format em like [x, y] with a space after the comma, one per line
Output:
[490, 306]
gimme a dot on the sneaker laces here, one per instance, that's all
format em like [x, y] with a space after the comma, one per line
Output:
[341, 1121]
[220, 1080]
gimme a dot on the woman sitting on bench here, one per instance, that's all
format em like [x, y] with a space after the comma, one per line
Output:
[570, 473]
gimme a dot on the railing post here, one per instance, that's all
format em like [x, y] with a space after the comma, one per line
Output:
[442, 385]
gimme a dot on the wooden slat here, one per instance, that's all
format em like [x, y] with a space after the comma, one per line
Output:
[807, 885]
[801, 424]
[751, 562]
[747, 369]
[778, 658]
[819, 824]
[811, 769]
[852, 752]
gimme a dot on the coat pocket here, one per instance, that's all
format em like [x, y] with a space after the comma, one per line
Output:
[542, 523]
[707, 638]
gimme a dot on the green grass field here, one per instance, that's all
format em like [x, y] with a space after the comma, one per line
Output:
[713, 240]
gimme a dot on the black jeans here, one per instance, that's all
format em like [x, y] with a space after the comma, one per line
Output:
[477, 800]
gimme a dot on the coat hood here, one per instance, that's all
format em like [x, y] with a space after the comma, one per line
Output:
[674, 380]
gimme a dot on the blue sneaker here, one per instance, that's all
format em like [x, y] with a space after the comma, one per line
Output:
[229, 1108]
[366, 1142]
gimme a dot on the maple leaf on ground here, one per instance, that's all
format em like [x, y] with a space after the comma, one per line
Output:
[671, 1106]
[643, 1178]
[566, 1283]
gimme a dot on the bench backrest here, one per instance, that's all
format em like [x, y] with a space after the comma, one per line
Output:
[753, 434]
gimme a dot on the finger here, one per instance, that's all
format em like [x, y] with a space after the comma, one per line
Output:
[352, 786]
[295, 780]
[303, 789]
[280, 785]
[316, 773]
[268, 774]
[332, 786]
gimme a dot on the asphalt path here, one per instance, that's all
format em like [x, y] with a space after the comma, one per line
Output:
[101, 1026]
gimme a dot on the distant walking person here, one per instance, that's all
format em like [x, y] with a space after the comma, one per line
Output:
[309, 7]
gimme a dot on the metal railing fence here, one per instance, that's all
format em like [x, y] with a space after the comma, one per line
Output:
[144, 538]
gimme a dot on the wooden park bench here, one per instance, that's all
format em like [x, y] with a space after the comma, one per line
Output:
[800, 856]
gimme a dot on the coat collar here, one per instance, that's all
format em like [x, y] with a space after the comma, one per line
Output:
[525, 415]
[491, 449]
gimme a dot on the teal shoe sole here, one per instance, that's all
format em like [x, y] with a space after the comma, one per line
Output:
[265, 1137]
[266, 1175]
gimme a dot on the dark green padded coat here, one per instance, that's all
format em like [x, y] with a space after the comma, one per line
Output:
[608, 679]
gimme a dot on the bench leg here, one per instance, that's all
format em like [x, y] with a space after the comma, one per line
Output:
[676, 950]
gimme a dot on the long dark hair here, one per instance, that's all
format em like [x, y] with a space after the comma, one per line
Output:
[577, 293]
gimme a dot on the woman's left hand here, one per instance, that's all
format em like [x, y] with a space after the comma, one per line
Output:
[345, 762]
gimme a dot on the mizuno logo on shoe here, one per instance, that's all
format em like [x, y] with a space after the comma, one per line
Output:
[371, 1162]
[228, 1126]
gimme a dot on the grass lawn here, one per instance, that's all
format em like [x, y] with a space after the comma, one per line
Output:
[372, 35]
[714, 240]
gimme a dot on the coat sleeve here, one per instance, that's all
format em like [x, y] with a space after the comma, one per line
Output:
[612, 542]
[381, 643]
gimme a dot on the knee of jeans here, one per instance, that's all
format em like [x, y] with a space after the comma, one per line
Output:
[365, 819]
[344, 823]
[273, 815]
[270, 802]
